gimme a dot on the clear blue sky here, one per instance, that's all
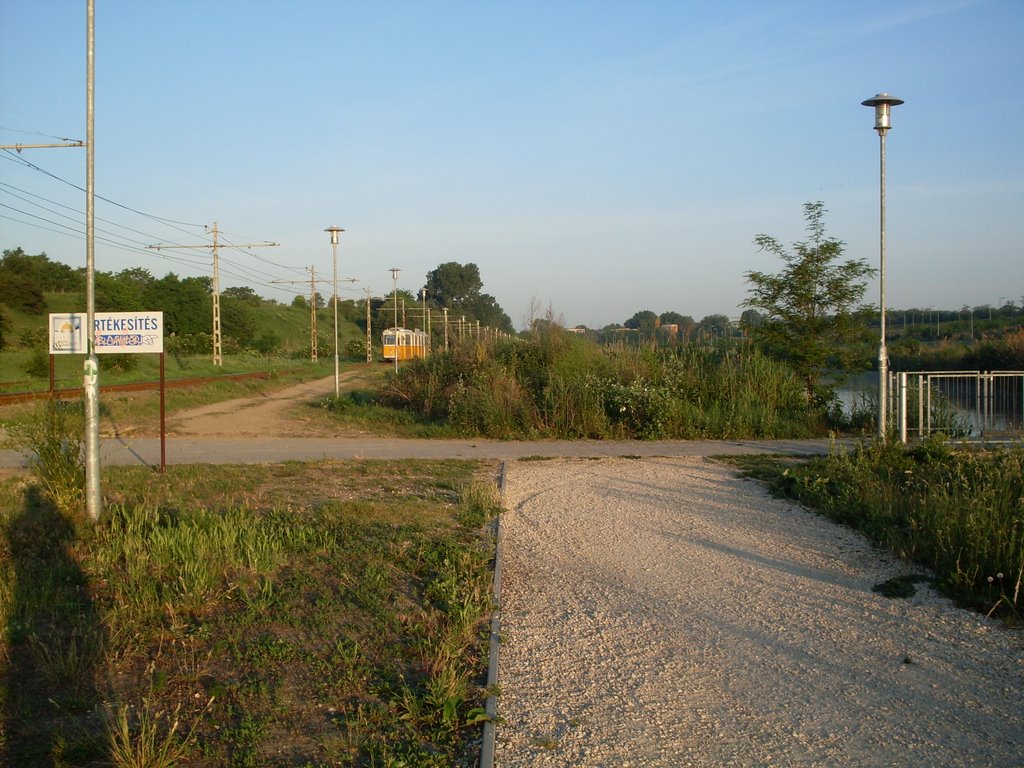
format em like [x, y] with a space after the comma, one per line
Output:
[598, 157]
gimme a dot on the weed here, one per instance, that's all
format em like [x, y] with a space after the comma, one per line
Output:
[557, 386]
[959, 512]
[52, 437]
[310, 624]
[143, 738]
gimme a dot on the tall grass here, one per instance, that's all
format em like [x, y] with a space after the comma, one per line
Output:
[52, 437]
[560, 385]
[332, 613]
[958, 512]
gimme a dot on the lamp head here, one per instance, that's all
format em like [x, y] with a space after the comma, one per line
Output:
[334, 234]
[883, 103]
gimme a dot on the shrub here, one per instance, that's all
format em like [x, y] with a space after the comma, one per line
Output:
[558, 385]
[38, 364]
[120, 363]
[52, 438]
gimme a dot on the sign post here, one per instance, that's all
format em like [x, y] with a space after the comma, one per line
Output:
[131, 333]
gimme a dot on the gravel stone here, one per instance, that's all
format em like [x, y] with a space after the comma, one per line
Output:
[664, 612]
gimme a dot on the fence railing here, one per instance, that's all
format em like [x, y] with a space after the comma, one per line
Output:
[964, 404]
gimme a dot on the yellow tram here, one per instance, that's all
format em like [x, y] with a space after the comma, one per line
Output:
[403, 343]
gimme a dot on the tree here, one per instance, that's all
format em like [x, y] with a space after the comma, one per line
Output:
[715, 325]
[812, 318]
[644, 321]
[751, 319]
[5, 329]
[673, 318]
[243, 293]
[237, 319]
[122, 292]
[21, 292]
[453, 285]
[457, 287]
[48, 275]
[186, 303]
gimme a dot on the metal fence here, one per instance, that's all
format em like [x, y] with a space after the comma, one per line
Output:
[983, 405]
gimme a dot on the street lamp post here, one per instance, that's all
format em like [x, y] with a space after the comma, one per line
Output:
[423, 311]
[394, 296]
[334, 247]
[883, 104]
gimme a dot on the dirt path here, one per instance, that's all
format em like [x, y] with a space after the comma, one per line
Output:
[283, 413]
[665, 613]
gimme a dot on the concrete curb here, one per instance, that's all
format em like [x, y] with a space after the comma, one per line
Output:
[491, 704]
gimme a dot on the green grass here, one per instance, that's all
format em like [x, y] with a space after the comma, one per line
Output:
[27, 346]
[297, 614]
[362, 411]
[68, 369]
[959, 512]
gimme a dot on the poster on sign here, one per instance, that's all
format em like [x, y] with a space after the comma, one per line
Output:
[66, 336]
[114, 332]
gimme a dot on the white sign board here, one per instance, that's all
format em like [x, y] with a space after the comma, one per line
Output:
[123, 332]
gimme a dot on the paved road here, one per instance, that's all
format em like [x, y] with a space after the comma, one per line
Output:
[146, 451]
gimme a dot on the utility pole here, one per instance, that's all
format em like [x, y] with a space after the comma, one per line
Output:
[90, 368]
[369, 333]
[313, 351]
[312, 314]
[217, 359]
[91, 374]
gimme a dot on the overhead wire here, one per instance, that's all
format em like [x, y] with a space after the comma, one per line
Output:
[33, 166]
[36, 133]
[260, 277]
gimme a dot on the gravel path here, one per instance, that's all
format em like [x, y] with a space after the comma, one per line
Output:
[663, 612]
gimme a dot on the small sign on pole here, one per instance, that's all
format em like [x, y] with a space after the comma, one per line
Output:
[115, 332]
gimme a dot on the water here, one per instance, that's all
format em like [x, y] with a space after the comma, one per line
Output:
[960, 402]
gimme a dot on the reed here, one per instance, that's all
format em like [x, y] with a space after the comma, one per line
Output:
[559, 385]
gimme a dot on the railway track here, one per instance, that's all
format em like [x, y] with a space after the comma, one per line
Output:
[70, 393]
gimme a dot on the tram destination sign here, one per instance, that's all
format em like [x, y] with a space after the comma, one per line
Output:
[115, 332]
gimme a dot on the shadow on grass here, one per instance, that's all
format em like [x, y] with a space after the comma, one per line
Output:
[55, 673]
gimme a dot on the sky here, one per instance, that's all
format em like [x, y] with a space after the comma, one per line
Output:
[593, 159]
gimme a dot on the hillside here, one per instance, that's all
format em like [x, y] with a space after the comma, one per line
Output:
[274, 332]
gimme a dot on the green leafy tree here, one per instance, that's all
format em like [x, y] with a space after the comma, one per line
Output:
[407, 306]
[454, 285]
[20, 285]
[48, 275]
[714, 325]
[186, 303]
[812, 312]
[122, 292]
[485, 309]
[751, 319]
[243, 293]
[644, 321]
[237, 319]
[458, 287]
[5, 329]
[21, 292]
